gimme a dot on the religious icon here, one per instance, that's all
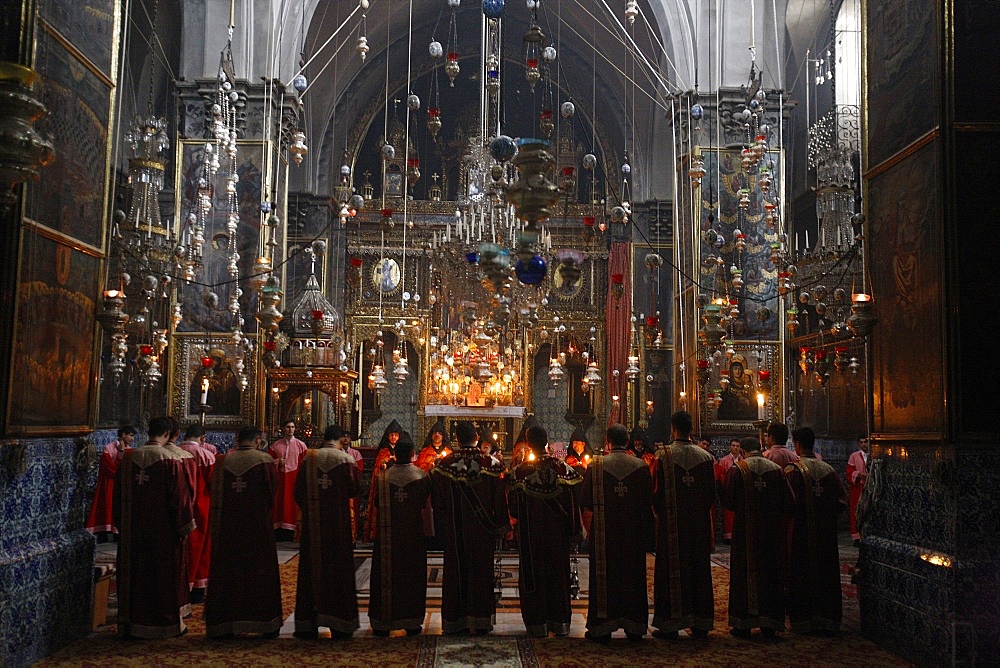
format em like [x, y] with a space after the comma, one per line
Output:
[736, 404]
[567, 280]
[386, 275]
[393, 181]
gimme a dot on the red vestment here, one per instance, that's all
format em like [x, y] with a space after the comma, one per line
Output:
[428, 456]
[721, 469]
[857, 472]
[757, 491]
[814, 594]
[244, 587]
[399, 561]
[325, 594]
[382, 459]
[682, 583]
[544, 502]
[356, 500]
[101, 516]
[471, 510]
[199, 544]
[152, 510]
[618, 490]
[289, 452]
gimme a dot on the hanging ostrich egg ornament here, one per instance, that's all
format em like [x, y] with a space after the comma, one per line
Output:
[435, 49]
[549, 54]
[568, 110]
[493, 9]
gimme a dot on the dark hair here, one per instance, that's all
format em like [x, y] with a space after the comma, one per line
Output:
[529, 422]
[194, 431]
[750, 444]
[160, 426]
[737, 439]
[682, 423]
[618, 436]
[538, 438]
[805, 437]
[404, 450]
[333, 433]
[247, 434]
[778, 431]
[465, 433]
[285, 423]
[126, 428]
[175, 426]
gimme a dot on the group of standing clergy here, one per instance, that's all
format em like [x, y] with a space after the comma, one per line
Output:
[784, 554]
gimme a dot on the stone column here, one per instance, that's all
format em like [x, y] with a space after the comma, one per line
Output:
[929, 559]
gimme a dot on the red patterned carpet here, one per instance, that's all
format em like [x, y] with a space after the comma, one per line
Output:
[105, 649]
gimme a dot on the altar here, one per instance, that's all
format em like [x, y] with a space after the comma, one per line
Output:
[501, 422]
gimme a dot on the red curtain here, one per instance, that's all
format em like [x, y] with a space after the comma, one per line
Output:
[618, 314]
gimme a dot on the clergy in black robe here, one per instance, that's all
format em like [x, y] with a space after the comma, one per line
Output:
[467, 494]
[244, 587]
[685, 490]
[814, 603]
[757, 492]
[618, 490]
[544, 502]
[399, 561]
[152, 508]
[326, 594]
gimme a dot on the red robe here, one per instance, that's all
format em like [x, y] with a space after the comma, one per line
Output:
[382, 459]
[399, 561]
[153, 512]
[682, 583]
[721, 469]
[244, 587]
[857, 465]
[356, 500]
[428, 456]
[286, 512]
[199, 544]
[544, 502]
[101, 516]
[325, 594]
[757, 491]
[814, 594]
[618, 490]
[471, 509]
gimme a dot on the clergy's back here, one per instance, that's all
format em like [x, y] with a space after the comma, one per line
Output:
[153, 512]
[244, 588]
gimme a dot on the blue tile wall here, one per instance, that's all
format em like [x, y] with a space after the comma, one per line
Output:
[46, 557]
[943, 500]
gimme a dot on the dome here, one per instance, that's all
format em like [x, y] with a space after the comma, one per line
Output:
[308, 307]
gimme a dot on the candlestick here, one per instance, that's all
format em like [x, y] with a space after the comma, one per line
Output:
[760, 405]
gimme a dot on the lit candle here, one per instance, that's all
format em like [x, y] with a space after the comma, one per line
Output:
[760, 405]
[204, 391]
[807, 241]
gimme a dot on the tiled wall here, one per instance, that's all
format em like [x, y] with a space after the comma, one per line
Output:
[936, 503]
[46, 557]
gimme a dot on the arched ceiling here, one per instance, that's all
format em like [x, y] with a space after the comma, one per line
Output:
[592, 57]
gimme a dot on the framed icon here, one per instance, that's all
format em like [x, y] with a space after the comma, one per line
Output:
[386, 275]
[394, 179]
